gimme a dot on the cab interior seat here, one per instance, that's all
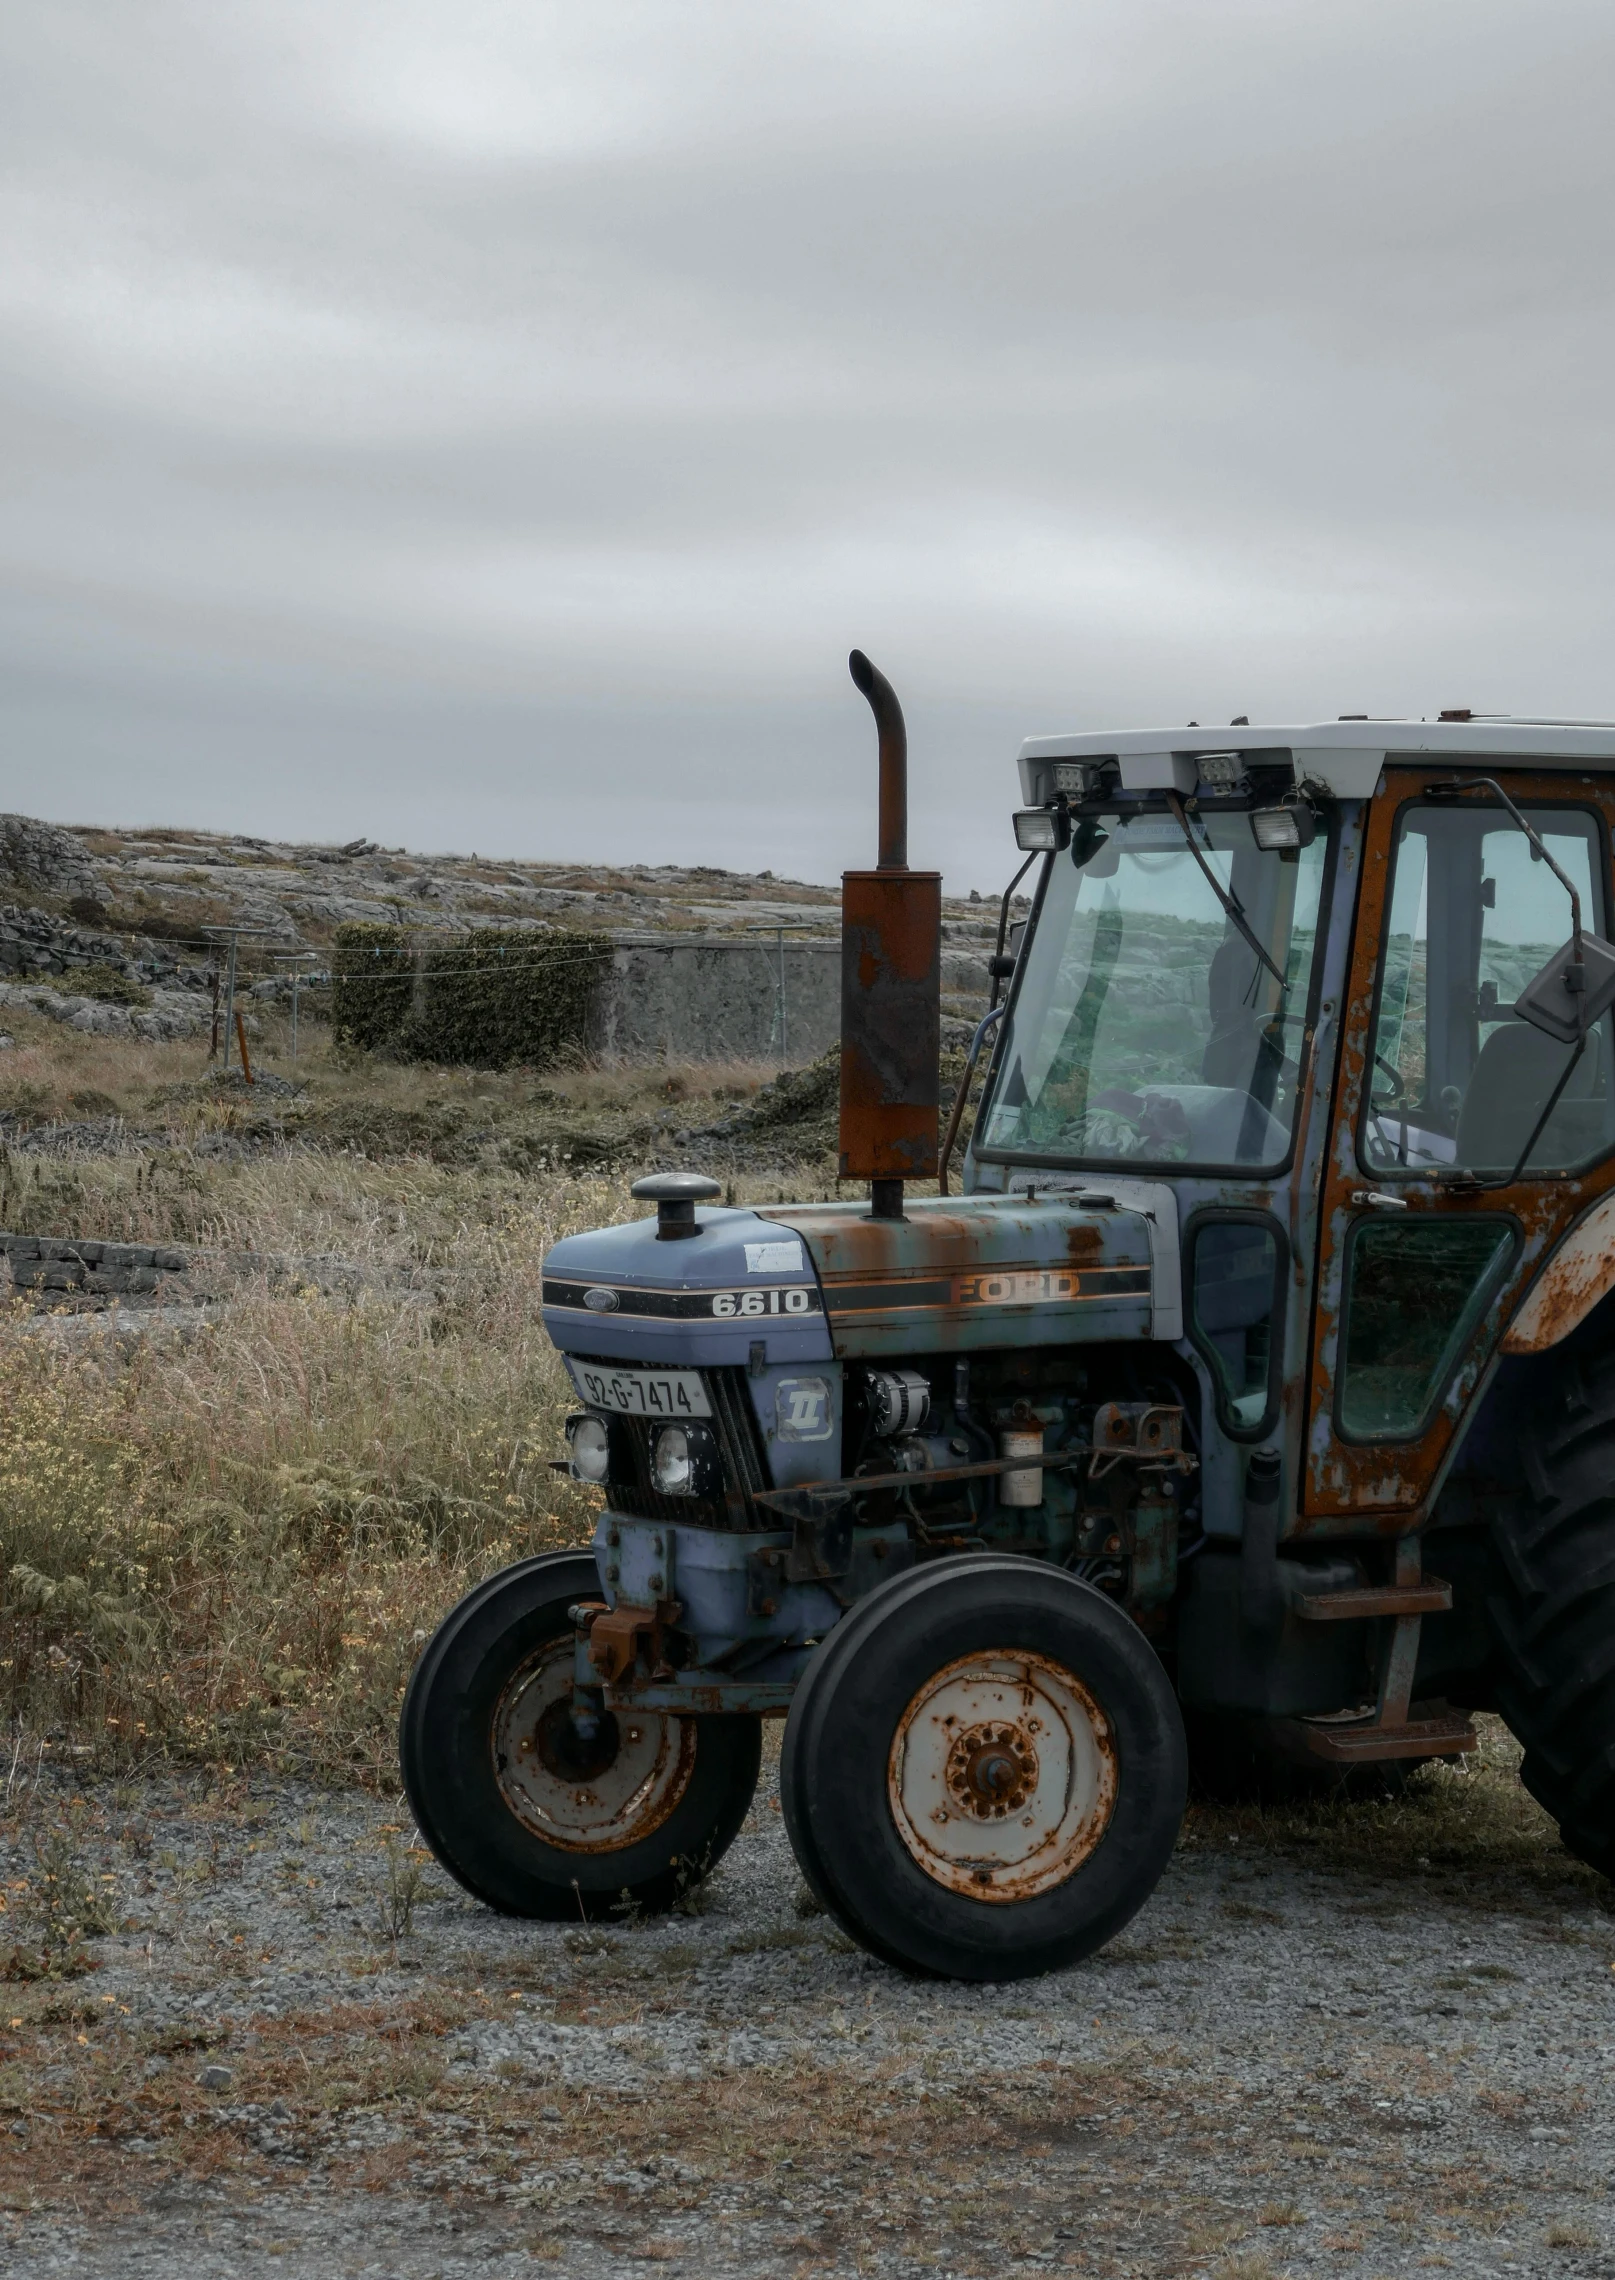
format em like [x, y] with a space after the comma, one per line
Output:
[1516, 1070]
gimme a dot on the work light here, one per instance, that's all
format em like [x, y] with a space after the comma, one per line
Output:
[1279, 830]
[1039, 831]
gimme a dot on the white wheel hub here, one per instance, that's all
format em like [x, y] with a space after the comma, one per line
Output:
[1002, 1775]
[585, 1793]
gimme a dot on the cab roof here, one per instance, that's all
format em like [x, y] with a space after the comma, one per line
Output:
[1343, 756]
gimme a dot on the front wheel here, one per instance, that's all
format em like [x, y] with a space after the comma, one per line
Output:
[984, 1771]
[528, 1811]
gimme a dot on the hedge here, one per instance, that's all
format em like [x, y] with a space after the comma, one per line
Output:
[486, 999]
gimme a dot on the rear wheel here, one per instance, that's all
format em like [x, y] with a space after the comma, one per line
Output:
[1553, 1609]
[533, 1813]
[984, 1770]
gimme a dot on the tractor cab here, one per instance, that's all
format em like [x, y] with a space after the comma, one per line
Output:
[1254, 1399]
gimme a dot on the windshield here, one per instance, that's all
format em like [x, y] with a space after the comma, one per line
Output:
[1145, 1028]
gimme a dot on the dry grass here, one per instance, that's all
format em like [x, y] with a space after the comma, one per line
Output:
[229, 1543]
[353, 1102]
[1464, 1826]
[226, 1544]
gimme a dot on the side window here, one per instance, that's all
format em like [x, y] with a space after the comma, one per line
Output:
[1415, 1285]
[1456, 1078]
[1234, 1301]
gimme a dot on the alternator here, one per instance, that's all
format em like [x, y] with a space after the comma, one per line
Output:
[898, 1401]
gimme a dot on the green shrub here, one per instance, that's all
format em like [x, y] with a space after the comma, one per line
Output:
[481, 1000]
[372, 985]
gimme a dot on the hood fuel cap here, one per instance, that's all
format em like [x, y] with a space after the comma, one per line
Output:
[675, 1195]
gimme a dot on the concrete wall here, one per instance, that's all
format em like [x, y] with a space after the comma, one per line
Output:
[704, 997]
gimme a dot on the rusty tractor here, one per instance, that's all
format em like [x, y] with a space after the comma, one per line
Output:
[1256, 1393]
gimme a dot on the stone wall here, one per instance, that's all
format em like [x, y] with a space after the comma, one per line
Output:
[80, 1271]
[710, 998]
[35, 942]
[60, 1267]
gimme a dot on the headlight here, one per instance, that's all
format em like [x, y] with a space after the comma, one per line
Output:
[1038, 831]
[671, 1467]
[588, 1441]
[684, 1462]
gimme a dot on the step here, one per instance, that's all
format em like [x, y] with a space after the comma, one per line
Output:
[1433, 1730]
[1431, 1597]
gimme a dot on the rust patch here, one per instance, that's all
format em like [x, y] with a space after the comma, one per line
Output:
[1576, 1277]
[586, 1793]
[1002, 1776]
[615, 1636]
[891, 1017]
[1084, 1244]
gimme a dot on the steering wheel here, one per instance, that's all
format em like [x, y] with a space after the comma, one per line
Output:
[1399, 1095]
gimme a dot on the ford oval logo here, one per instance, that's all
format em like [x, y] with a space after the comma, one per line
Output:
[600, 1301]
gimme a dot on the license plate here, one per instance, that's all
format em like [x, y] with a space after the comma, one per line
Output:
[640, 1393]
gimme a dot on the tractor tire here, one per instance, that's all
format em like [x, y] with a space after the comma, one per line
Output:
[1552, 1607]
[984, 1770]
[521, 1812]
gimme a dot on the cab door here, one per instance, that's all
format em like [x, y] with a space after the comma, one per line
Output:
[1430, 1233]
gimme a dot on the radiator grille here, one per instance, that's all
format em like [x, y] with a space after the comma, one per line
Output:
[745, 1460]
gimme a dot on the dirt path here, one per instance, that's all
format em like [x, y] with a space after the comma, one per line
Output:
[1282, 2068]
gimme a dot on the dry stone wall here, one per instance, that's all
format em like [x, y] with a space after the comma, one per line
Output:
[61, 1267]
[83, 1271]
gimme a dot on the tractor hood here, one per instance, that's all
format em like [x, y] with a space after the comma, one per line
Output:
[619, 1294]
[817, 1282]
[964, 1274]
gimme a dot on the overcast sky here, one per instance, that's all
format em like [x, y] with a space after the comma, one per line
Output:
[488, 426]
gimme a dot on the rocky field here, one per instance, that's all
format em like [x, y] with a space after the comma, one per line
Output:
[115, 932]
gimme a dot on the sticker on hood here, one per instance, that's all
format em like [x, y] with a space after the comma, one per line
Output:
[774, 1258]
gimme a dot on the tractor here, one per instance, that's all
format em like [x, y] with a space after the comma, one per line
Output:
[1251, 1396]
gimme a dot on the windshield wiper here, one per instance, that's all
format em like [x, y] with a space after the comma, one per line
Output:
[1175, 803]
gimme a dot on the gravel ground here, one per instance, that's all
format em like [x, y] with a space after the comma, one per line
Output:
[305, 2052]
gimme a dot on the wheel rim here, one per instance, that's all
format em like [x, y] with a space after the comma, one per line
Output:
[1002, 1776]
[583, 1798]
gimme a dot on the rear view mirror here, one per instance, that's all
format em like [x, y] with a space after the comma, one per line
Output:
[1552, 1002]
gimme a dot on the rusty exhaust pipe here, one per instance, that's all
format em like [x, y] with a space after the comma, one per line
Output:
[891, 986]
[893, 739]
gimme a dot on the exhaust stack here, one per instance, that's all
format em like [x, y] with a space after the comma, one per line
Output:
[891, 987]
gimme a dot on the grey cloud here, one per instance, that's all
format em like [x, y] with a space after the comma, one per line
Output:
[491, 425]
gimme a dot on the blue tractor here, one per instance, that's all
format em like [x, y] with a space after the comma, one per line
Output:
[1257, 1393]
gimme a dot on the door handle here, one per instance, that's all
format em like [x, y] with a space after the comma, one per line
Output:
[1379, 1200]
